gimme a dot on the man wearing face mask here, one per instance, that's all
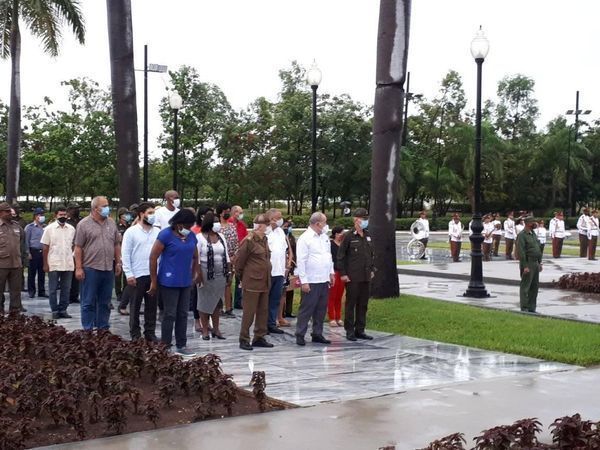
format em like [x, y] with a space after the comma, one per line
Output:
[530, 265]
[253, 265]
[231, 238]
[164, 215]
[58, 240]
[316, 274]
[12, 259]
[97, 261]
[237, 219]
[137, 245]
[33, 235]
[73, 219]
[355, 261]
[280, 265]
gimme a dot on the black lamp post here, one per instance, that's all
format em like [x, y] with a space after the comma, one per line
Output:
[313, 77]
[407, 98]
[576, 112]
[175, 102]
[479, 49]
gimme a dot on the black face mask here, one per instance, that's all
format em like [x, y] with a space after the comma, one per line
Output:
[226, 216]
[62, 220]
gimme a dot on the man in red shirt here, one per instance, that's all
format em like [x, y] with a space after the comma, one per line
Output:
[237, 214]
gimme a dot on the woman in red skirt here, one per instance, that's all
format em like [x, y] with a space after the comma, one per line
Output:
[334, 305]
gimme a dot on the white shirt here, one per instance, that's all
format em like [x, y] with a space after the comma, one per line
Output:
[313, 257]
[509, 229]
[455, 231]
[519, 228]
[541, 233]
[488, 229]
[582, 224]
[470, 229]
[557, 228]
[218, 250]
[135, 252]
[162, 217]
[278, 246]
[59, 238]
[497, 228]
[425, 233]
[593, 226]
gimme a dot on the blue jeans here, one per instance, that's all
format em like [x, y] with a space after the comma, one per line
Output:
[96, 292]
[275, 299]
[60, 280]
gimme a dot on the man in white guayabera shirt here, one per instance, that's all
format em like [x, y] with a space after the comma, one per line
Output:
[137, 245]
[316, 274]
[557, 233]
[510, 234]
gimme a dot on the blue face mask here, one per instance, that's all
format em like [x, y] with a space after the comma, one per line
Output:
[364, 223]
[289, 230]
[128, 218]
[105, 211]
[185, 231]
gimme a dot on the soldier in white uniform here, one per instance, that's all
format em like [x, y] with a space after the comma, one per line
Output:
[541, 234]
[582, 228]
[455, 229]
[509, 234]
[488, 229]
[557, 233]
[424, 235]
[497, 233]
[592, 235]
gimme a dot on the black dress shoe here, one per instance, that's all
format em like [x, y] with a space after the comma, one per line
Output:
[64, 315]
[23, 309]
[218, 336]
[300, 340]
[319, 339]
[43, 296]
[275, 330]
[262, 343]
[151, 338]
[31, 295]
[351, 337]
[55, 316]
[245, 345]
[363, 336]
[290, 316]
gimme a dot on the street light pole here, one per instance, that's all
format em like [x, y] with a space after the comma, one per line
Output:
[576, 112]
[175, 102]
[313, 77]
[479, 50]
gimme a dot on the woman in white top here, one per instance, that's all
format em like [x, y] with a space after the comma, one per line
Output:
[214, 264]
[488, 229]
[541, 234]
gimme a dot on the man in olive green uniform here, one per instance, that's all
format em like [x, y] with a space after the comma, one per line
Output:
[12, 240]
[355, 260]
[530, 265]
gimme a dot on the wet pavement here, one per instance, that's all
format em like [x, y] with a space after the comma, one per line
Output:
[343, 370]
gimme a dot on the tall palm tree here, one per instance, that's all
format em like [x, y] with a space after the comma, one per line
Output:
[120, 39]
[44, 18]
[392, 52]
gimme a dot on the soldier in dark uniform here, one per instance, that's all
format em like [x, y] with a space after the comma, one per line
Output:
[16, 216]
[122, 289]
[530, 265]
[12, 253]
[73, 219]
[355, 260]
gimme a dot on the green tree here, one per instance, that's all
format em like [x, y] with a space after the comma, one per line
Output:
[44, 18]
[517, 108]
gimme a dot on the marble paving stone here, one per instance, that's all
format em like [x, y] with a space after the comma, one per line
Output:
[343, 370]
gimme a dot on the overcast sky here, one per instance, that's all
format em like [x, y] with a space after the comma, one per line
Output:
[240, 45]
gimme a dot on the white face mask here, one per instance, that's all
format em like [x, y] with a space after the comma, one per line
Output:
[325, 229]
[241, 216]
[42, 219]
[217, 227]
[177, 203]
[279, 223]
[268, 230]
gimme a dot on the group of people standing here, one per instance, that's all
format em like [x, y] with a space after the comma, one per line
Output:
[172, 260]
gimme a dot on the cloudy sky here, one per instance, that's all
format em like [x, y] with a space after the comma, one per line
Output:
[241, 44]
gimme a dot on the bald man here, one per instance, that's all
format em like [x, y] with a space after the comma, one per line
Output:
[163, 215]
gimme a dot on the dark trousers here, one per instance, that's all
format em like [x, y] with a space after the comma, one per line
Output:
[275, 299]
[59, 280]
[194, 302]
[424, 241]
[176, 302]
[557, 244]
[313, 306]
[123, 291]
[455, 250]
[256, 309]
[36, 268]
[592, 247]
[13, 276]
[140, 294]
[74, 293]
[496, 245]
[510, 243]
[487, 251]
[528, 290]
[357, 300]
[289, 302]
[237, 298]
[583, 245]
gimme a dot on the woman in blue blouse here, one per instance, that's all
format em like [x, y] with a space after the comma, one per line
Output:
[178, 270]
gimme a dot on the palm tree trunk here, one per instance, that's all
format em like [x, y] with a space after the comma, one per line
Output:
[392, 53]
[13, 156]
[120, 37]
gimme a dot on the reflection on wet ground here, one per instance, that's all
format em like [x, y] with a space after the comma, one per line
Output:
[343, 370]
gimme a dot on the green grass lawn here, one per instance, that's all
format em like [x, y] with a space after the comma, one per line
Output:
[568, 250]
[538, 337]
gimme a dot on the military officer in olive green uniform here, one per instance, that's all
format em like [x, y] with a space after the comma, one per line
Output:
[530, 265]
[355, 260]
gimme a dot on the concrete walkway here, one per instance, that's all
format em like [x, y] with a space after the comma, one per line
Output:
[408, 420]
